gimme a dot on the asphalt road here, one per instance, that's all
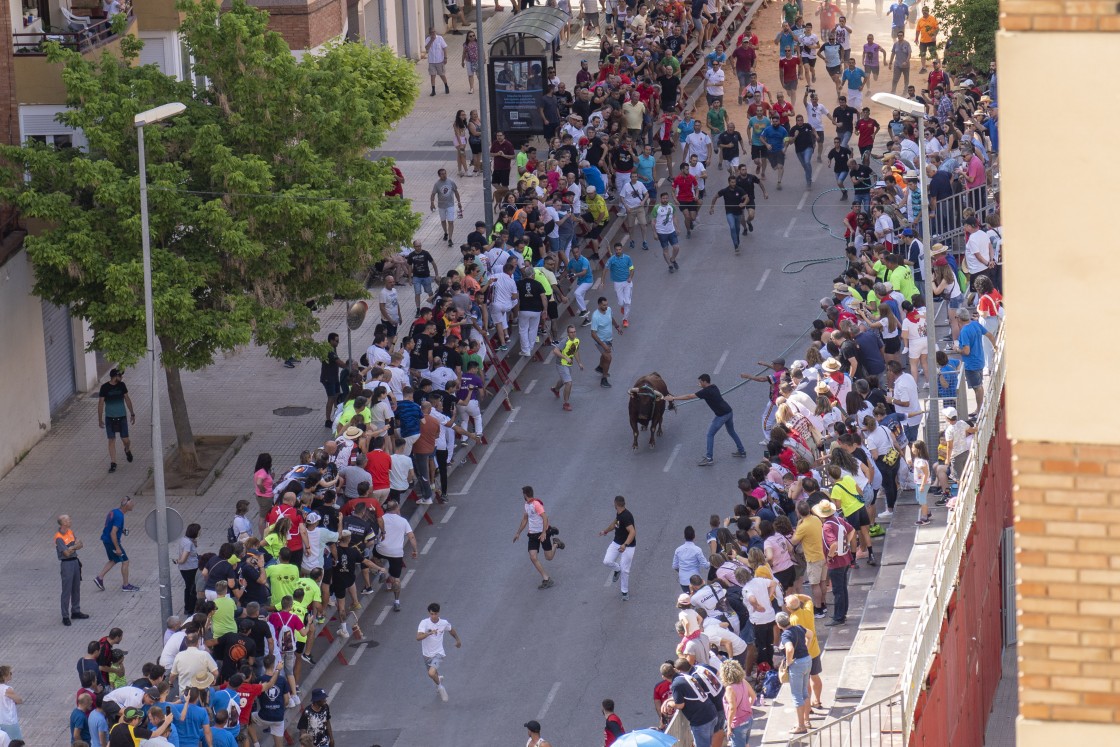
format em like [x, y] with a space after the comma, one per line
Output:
[553, 655]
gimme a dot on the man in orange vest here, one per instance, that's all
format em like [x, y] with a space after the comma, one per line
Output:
[66, 547]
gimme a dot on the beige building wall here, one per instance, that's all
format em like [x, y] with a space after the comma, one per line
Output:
[1058, 205]
[23, 366]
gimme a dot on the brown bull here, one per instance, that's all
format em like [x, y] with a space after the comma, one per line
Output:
[647, 406]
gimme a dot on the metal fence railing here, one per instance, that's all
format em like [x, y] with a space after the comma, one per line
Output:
[924, 646]
[947, 217]
[878, 724]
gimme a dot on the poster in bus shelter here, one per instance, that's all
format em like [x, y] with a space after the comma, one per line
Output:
[517, 85]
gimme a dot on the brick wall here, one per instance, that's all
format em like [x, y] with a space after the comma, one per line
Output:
[1067, 537]
[308, 24]
[1059, 15]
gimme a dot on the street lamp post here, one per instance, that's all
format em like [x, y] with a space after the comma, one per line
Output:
[484, 116]
[933, 415]
[140, 121]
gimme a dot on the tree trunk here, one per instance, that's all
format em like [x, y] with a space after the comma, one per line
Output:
[188, 457]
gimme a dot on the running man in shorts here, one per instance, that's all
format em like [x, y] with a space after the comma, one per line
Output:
[430, 634]
[541, 533]
[665, 226]
[566, 351]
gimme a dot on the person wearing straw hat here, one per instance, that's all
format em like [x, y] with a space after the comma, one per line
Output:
[839, 538]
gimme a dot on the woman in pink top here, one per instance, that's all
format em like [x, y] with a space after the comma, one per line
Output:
[262, 488]
[778, 550]
[737, 698]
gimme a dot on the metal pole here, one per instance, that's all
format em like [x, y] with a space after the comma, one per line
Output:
[933, 414]
[484, 115]
[157, 434]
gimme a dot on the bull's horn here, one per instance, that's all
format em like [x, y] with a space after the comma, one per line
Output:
[657, 395]
[634, 390]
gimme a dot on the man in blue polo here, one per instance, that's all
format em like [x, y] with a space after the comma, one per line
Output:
[970, 342]
[621, 270]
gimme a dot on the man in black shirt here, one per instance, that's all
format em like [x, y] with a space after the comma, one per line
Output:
[747, 182]
[620, 555]
[734, 200]
[550, 113]
[531, 304]
[804, 141]
[329, 376]
[419, 261]
[730, 144]
[670, 89]
[709, 392]
[862, 176]
[839, 157]
[845, 118]
[425, 346]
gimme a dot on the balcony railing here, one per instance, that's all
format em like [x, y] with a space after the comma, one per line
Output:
[95, 35]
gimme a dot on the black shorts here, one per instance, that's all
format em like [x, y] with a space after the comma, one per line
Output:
[501, 176]
[332, 388]
[815, 667]
[666, 147]
[453, 9]
[536, 543]
[810, 61]
[758, 151]
[859, 519]
[475, 144]
[892, 344]
[694, 206]
[396, 565]
[116, 426]
[553, 310]
[339, 588]
[833, 71]
[550, 130]
[594, 232]
[924, 47]
[390, 328]
[776, 159]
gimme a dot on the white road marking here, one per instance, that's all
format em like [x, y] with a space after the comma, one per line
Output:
[672, 457]
[548, 701]
[610, 578]
[408, 577]
[384, 613]
[489, 451]
[529, 388]
[817, 170]
[357, 655]
[447, 516]
[722, 360]
[789, 227]
[801, 203]
[334, 689]
[428, 546]
[762, 280]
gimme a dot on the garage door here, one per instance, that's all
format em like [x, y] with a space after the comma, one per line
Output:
[59, 343]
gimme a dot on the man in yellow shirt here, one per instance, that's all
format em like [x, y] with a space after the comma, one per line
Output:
[800, 609]
[925, 34]
[810, 535]
[565, 352]
[847, 497]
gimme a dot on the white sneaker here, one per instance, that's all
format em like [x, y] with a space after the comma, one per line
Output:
[886, 514]
[425, 501]
[343, 632]
[442, 690]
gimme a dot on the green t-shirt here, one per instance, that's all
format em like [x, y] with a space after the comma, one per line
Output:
[522, 159]
[847, 492]
[224, 620]
[717, 119]
[903, 280]
[790, 11]
[468, 358]
[283, 578]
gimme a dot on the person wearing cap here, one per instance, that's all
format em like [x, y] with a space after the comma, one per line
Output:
[112, 401]
[316, 720]
[956, 444]
[970, 345]
[128, 731]
[535, 739]
[839, 540]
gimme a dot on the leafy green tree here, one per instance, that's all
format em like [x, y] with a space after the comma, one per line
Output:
[969, 26]
[263, 202]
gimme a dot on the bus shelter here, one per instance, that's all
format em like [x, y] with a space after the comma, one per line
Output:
[518, 58]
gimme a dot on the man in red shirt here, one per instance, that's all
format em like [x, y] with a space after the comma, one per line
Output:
[758, 107]
[744, 57]
[938, 77]
[248, 692]
[784, 109]
[287, 507]
[398, 183]
[613, 729]
[686, 186]
[866, 128]
[790, 68]
[378, 464]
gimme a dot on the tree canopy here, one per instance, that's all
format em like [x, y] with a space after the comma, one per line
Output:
[263, 200]
[970, 27]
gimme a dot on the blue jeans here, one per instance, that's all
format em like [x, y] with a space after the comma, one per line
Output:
[735, 223]
[838, 577]
[806, 158]
[864, 200]
[702, 734]
[721, 421]
[844, 138]
[741, 734]
[799, 679]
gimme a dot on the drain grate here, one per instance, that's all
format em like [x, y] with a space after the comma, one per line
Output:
[442, 144]
[291, 412]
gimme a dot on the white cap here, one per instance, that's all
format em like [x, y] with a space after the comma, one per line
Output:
[951, 413]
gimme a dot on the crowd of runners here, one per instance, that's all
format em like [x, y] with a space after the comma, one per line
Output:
[318, 536]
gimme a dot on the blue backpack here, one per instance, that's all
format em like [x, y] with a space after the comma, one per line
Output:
[771, 685]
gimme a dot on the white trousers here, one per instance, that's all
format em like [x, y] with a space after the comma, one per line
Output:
[468, 411]
[527, 324]
[581, 295]
[620, 561]
[624, 292]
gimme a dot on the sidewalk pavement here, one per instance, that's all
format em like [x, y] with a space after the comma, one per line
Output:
[66, 472]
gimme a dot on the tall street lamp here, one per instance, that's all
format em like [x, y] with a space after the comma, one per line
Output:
[918, 111]
[140, 121]
[484, 116]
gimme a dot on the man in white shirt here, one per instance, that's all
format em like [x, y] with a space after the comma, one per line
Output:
[441, 376]
[713, 83]
[699, 143]
[978, 258]
[503, 300]
[401, 473]
[697, 169]
[635, 198]
[389, 305]
[430, 634]
[377, 354]
[905, 398]
[815, 114]
[395, 530]
[436, 48]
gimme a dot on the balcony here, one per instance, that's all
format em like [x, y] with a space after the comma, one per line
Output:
[38, 81]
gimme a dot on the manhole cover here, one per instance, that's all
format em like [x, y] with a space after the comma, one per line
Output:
[442, 144]
[291, 412]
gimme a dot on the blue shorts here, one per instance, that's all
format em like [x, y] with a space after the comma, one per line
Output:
[956, 303]
[974, 378]
[667, 239]
[112, 554]
[424, 284]
[113, 426]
